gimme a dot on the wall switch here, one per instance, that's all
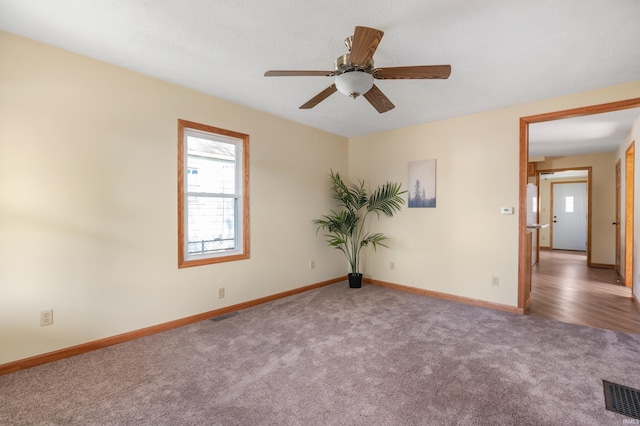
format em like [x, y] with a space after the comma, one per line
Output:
[506, 210]
[312, 264]
[495, 281]
[46, 317]
[392, 265]
[221, 293]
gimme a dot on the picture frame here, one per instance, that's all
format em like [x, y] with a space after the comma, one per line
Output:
[422, 184]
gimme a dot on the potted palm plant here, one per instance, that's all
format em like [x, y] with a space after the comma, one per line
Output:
[345, 229]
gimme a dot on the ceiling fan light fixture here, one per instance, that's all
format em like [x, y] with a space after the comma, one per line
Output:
[354, 83]
[354, 72]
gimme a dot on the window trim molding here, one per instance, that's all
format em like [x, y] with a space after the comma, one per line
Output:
[245, 252]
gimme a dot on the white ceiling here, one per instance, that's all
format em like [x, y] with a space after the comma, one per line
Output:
[575, 174]
[581, 135]
[502, 52]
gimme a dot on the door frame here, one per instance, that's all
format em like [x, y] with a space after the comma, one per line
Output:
[523, 268]
[618, 213]
[588, 169]
[629, 172]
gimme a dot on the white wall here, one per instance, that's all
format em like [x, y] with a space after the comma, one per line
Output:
[460, 245]
[88, 201]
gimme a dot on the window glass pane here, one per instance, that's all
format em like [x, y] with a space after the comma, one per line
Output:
[568, 203]
[214, 166]
[211, 224]
[213, 209]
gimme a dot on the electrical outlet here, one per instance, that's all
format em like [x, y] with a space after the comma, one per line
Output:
[392, 265]
[221, 293]
[46, 317]
[312, 264]
[495, 281]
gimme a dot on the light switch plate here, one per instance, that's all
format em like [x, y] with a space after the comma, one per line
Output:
[506, 210]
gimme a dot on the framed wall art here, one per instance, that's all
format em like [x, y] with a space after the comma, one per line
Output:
[422, 184]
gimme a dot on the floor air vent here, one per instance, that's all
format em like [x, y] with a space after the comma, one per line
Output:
[224, 317]
[621, 399]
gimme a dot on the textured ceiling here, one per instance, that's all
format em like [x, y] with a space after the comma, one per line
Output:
[581, 135]
[502, 52]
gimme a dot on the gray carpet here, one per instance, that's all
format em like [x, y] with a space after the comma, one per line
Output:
[338, 356]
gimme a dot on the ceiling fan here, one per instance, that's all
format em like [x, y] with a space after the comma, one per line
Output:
[355, 73]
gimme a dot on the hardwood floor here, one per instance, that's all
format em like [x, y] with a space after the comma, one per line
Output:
[565, 289]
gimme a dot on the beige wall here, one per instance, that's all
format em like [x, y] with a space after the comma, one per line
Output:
[459, 246]
[88, 201]
[603, 199]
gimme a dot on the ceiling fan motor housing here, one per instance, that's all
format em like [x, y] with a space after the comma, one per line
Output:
[343, 64]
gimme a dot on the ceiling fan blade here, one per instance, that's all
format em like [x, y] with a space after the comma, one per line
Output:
[416, 72]
[319, 97]
[293, 73]
[364, 45]
[378, 99]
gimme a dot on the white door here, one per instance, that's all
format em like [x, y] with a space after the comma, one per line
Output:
[569, 222]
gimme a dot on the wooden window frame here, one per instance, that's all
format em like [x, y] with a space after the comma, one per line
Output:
[243, 252]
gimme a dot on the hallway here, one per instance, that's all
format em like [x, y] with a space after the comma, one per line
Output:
[565, 289]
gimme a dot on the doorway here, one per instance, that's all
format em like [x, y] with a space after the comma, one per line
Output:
[524, 269]
[545, 180]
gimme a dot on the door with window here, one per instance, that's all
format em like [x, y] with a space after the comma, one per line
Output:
[569, 221]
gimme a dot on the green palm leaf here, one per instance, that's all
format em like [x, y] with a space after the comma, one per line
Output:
[344, 229]
[375, 240]
[386, 199]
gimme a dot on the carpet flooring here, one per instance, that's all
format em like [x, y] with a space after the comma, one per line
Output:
[338, 356]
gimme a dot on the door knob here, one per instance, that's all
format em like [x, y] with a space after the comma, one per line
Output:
[615, 223]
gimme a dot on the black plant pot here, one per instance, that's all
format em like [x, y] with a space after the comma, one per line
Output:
[355, 280]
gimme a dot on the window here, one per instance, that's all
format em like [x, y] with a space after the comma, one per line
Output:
[213, 195]
[568, 204]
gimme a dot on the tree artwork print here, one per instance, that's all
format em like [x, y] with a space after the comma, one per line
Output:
[422, 184]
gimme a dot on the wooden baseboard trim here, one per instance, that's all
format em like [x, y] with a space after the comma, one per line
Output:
[445, 296]
[132, 335]
[545, 248]
[34, 361]
[602, 266]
